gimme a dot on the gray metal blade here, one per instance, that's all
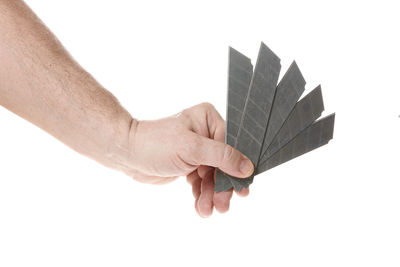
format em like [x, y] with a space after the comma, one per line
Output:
[316, 135]
[257, 109]
[305, 112]
[239, 77]
[288, 92]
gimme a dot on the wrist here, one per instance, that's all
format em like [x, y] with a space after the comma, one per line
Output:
[120, 143]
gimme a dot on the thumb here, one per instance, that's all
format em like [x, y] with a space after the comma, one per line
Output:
[216, 154]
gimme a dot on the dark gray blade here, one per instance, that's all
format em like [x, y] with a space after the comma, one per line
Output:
[305, 112]
[239, 77]
[316, 135]
[257, 109]
[222, 182]
[288, 92]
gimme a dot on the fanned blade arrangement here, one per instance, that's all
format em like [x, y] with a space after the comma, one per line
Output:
[265, 120]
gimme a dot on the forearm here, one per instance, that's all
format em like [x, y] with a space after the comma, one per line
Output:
[41, 82]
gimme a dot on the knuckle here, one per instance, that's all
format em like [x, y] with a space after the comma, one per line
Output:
[185, 118]
[207, 106]
[228, 155]
[184, 114]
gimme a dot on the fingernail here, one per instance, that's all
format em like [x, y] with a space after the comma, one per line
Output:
[246, 167]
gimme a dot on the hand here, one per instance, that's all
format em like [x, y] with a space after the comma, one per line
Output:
[42, 83]
[189, 143]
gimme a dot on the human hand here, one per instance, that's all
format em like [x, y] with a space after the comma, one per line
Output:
[187, 144]
[42, 83]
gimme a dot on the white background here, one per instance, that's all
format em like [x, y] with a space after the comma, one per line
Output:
[336, 206]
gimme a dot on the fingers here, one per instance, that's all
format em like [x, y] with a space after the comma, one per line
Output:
[206, 121]
[205, 151]
[215, 123]
[244, 192]
[202, 170]
[191, 177]
[222, 200]
[202, 182]
[195, 181]
[206, 144]
[205, 197]
[205, 204]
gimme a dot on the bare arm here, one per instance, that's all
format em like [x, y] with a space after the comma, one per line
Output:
[42, 83]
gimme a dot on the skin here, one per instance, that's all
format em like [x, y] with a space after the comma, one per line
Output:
[42, 83]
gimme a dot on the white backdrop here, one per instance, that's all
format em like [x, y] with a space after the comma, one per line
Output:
[336, 206]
